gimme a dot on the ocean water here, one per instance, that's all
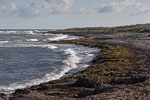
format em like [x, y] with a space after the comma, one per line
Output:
[27, 59]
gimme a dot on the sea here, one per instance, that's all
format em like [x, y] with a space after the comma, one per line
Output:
[27, 58]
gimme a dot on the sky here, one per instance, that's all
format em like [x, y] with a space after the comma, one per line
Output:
[60, 14]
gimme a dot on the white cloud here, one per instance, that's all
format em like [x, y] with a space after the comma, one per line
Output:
[51, 7]
[111, 7]
[27, 11]
[141, 9]
[137, 7]
[129, 1]
[2, 11]
[47, 7]
[37, 9]
[13, 6]
[108, 7]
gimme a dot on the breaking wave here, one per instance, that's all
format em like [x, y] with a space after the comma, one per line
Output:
[7, 32]
[29, 32]
[49, 46]
[57, 38]
[70, 63]
[75, 57]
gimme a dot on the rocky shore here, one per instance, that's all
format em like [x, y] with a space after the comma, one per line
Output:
[120, 71]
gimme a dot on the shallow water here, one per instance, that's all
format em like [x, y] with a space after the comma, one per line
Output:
[26, 59]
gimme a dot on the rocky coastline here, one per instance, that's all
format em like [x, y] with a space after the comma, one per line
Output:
[121, 70]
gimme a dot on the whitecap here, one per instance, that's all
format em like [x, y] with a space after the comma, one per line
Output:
[57, 38]
[52, 47]
[2, 42]
[29, 32]
[49, 46]
[89, 54]
[32, 40]
[73, 58]
[8, 32]
[40, 31]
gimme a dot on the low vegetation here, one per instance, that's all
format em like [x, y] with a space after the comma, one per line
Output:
[139, 28]
[129, 35]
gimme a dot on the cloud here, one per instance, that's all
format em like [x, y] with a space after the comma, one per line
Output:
[37, 9]
[48, 7]
[2, 11]
[111, 7]
[129, 1]
[138, 8]
[141, 9]
[108, 7]
[51, 7]
[13, 6]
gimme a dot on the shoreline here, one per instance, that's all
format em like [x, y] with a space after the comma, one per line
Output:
[69, 69]
[112, 70]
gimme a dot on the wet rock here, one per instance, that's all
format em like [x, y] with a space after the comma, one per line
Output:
[98, 90]
[36, 96]
[110, 74]
[43, 87]
[131, 73]
[103, 90]
[129, 80]
[147, 82]
[88, 83]
[3, 96]
[21, 91]
[85, 93]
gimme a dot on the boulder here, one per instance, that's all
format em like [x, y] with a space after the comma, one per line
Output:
[88, 83]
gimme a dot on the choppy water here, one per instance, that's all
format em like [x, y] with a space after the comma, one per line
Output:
[26, 59]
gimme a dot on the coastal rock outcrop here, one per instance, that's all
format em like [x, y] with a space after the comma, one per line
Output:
[98, 90]
[3, 96]
[129, 80]
[88, 83]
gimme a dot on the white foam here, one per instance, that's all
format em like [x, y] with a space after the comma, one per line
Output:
[2, 42]
[70, 63]
[52, 47]
[49, 46]
[89, 54]
[11, 31]
[46, 34]
[39, 31]
[72, 60]
[29, 32]
[57, 38]
[32, 40]
[7, 32]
